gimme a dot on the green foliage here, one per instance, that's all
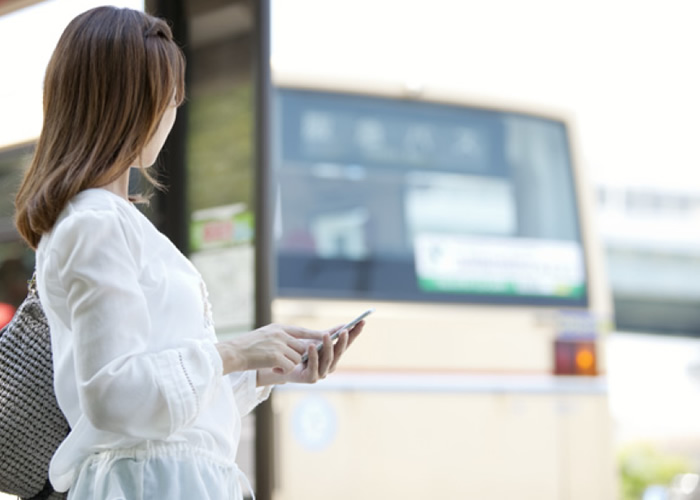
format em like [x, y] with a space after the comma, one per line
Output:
[642, 465]
[219, 163]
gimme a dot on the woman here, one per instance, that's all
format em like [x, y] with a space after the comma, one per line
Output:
[153, 400]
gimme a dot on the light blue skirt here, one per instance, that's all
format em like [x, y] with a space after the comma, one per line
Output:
[172, 471]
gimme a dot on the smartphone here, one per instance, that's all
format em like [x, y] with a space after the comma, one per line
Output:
[348, 326]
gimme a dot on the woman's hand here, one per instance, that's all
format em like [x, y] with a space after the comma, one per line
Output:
[275, 347]
[319, 365]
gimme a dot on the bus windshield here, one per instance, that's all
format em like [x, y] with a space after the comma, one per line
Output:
[395, 199]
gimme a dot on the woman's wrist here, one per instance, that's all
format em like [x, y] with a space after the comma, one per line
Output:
[229, 358]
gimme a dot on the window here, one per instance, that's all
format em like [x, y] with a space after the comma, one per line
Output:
[403, 200]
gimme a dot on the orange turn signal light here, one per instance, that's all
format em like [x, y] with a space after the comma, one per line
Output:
[575, 356]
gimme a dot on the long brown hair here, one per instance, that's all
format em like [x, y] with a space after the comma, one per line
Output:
[108, 84]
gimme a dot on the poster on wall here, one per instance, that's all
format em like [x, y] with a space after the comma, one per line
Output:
[221, 240]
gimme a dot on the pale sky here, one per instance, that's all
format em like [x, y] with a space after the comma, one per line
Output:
[628, 71]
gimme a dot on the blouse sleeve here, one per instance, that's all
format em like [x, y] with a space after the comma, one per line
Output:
[246, 392]
[122, 386]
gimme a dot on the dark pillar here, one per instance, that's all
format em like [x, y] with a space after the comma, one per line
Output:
[264, 220]
[169, 208]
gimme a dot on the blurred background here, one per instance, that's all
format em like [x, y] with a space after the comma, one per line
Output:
[510, 184]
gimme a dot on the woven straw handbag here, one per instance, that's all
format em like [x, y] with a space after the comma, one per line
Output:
[31, 424]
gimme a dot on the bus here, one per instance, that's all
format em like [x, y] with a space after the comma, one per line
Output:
[469, 227]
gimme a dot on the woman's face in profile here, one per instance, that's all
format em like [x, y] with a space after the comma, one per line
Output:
[152, 149]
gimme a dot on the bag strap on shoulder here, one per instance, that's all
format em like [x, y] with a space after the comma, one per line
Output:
[31, 285]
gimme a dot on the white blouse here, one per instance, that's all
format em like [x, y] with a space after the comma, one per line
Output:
[136, 370]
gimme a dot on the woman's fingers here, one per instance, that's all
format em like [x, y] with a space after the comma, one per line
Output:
[340, 346]
[289, 343]
[298, 345]
[311, 369]
[334, 329]
[355, 332]
[293, 355]
[327, 354]
[300, 332]
[284, 350]
[284, 365]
